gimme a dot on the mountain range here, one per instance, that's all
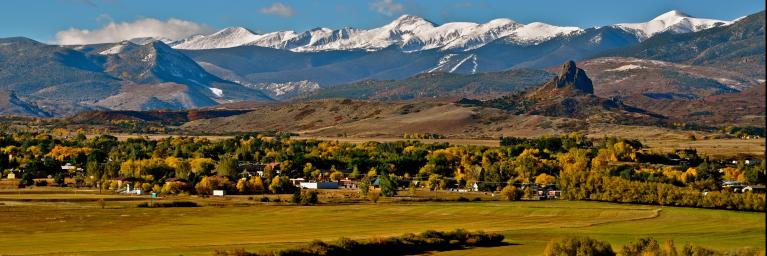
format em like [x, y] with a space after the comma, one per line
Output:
[410, 58]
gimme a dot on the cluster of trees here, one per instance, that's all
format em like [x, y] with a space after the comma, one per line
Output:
[641, 247]
[415, 135]
[408, 244]
[596, 186]
[603, 169]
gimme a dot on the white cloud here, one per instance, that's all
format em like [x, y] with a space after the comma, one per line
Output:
[387, 7]
[173, 29]
[278, 9]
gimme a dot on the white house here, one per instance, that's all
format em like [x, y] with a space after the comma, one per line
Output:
[319, 185]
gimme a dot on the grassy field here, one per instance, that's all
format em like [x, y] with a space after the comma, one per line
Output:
[82, 228]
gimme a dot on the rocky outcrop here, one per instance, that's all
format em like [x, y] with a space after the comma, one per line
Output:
[572, 79]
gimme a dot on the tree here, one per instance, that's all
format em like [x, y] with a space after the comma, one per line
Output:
[316, 174]
[279, 184]
[94, 169]
[511, 193]
[545, 179]
[308, 169]
[364, 186]
[204, 187]
[227, 166]
[336, 175]
[256, 184]
[296, 198]
[433, 182]
[59, 179]
[26, 180]
[202, 166]
[243, 186]
[578, 246]
[388, 186]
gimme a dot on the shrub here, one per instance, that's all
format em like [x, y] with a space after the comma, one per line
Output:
[41, 183]
[167, 204]
[511, 193]
[407, 244]
[264, 199]
[572, 246]
[374, 196]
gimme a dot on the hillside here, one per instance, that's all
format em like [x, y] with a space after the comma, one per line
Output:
[739, 47]
[126, 76]
[12, 105]
[630, 77]
[437, 85]
[570, 94]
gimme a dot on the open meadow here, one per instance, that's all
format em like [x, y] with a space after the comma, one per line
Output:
[49, 225]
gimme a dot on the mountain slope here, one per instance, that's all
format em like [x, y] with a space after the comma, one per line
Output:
[626, 77]
[570, 95]
[64, 80]
[738, 47]
[12, 105]
[433, 85]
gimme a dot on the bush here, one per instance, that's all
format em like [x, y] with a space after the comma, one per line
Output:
[167, 204]
[264, 199]
[511, 193]
[41, 183]
[374, 196]
[407, 244]
[572, 246]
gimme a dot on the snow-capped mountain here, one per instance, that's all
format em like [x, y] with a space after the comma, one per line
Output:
[409, 33]
[412, 33]
[674, 21]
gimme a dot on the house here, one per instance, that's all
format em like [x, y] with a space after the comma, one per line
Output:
[136, 191]
[218, 192]
[554, 194]
[297, 181]
[319, 185]
[347, 183]
[11, 176]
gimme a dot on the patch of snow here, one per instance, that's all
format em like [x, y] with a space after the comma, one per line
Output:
[460, 63]
[113, 50]
[286, 88]
[147, 58]
[442, 62]
[626, 67]
[218, 92]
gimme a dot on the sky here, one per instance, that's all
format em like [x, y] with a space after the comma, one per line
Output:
[80, 21]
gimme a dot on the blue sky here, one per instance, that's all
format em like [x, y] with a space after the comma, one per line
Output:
[41, 19]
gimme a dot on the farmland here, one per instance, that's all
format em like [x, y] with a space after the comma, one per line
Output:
[83, 228]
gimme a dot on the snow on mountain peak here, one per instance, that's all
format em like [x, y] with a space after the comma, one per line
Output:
[225, 38]
[672, 15]
[674, 21]
[407, 19]
[414, 33]
[537, 32]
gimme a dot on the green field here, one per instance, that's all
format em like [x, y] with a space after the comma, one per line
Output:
[81, 228]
